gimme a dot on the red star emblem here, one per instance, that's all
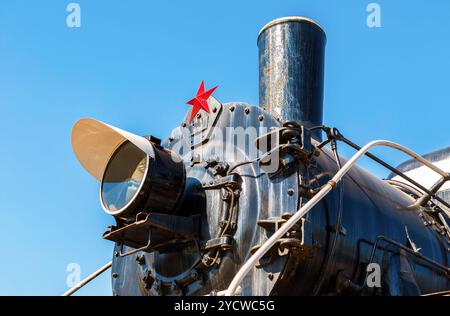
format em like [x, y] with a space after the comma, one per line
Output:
[200, 102]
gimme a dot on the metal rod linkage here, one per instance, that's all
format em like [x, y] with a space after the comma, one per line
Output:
[444, 269]
[429, 193]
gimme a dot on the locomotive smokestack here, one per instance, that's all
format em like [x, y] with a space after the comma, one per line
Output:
[291, 70]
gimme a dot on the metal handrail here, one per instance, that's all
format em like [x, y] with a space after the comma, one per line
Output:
[252, 261]
[88, 279]
[425, 197]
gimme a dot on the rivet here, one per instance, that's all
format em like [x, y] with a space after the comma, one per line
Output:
[115, 275]
[232, 108]
[247, 110]
[214, 109]
[261, 117]
[270, 276]
[199, 115]
[290, 192]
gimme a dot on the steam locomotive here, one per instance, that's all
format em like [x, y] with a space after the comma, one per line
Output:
[191, 210]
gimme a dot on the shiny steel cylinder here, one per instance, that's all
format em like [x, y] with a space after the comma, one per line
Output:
[291, 70]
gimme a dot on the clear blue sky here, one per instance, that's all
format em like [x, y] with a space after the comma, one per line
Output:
[134, 64]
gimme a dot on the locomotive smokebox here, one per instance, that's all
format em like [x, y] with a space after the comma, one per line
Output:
[291, 70]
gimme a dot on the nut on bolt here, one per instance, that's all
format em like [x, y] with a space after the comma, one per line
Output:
[140, 259]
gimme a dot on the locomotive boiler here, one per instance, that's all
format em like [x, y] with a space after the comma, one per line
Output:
[256, 200]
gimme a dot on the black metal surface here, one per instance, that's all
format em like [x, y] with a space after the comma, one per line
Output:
[241, 204]
[444, 269]
[165, 182]
[258, 197]
[370, 208]
[291, 70]
[322, 256]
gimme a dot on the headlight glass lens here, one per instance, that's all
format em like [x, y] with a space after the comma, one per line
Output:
[123, 177]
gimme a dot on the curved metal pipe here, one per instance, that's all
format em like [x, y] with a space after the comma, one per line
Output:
[405, 186]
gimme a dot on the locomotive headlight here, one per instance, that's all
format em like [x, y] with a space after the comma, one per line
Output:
[123, 178]
[136, 174]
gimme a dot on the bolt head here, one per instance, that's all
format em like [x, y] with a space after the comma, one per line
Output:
[194, 275]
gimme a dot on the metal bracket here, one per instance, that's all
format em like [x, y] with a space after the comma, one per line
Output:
[224, 243]
[289, 143]
[232, 181]
[203, 126]
[293, 242]
[155, 231]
